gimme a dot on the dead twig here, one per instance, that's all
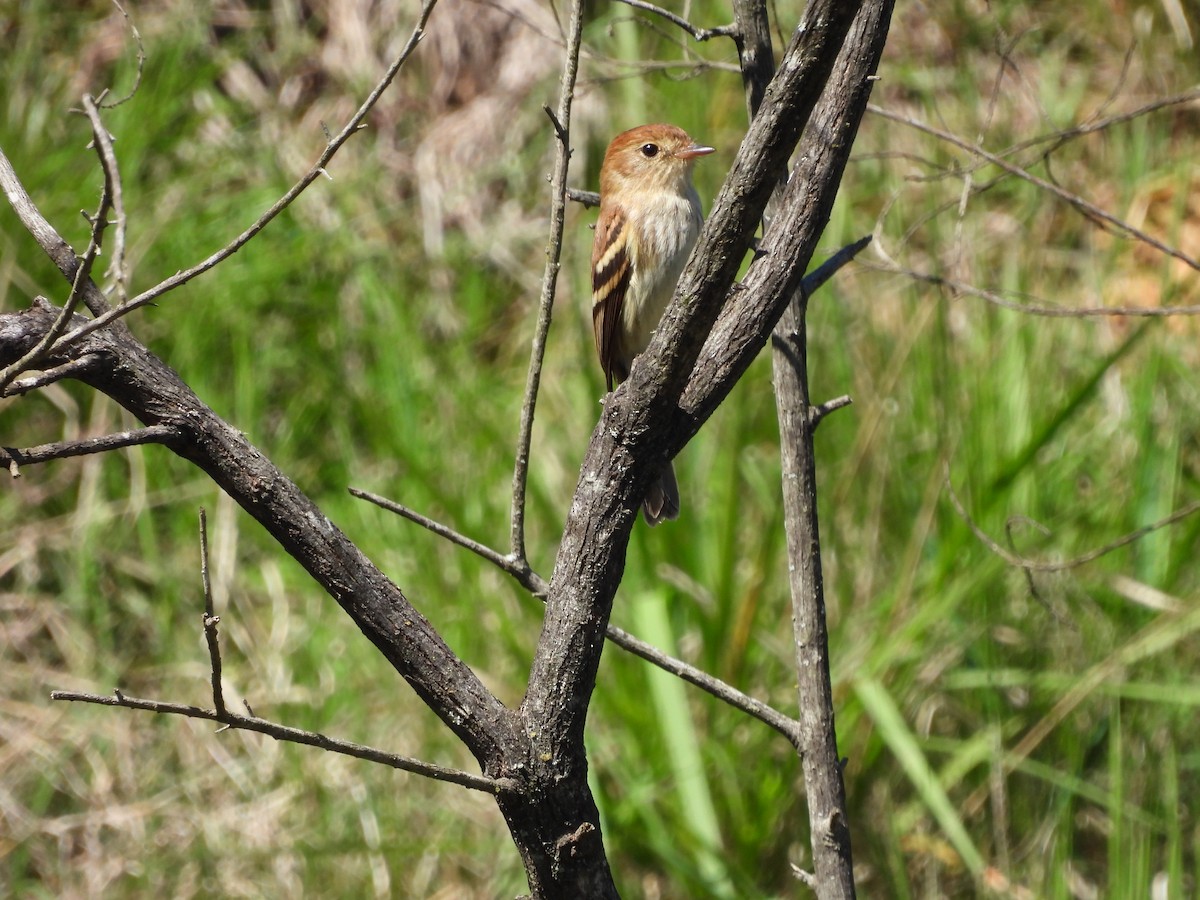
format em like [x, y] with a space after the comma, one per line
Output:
[1033, 309]
[537, 587]
[317, 170]
[73, 369]
[1084, 206]
[561, 120]
[699, 34]
[211, 620]
[152, 434]
[295, 736]
[113, 190]
[1037, 565]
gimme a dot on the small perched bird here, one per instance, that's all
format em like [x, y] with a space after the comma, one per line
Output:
[649, 219]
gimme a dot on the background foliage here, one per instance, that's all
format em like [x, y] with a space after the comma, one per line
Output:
[1039, 731]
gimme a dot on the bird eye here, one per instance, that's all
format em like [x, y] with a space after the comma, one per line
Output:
[649, 150]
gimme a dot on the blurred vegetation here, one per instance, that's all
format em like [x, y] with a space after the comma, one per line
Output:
[1007, 733]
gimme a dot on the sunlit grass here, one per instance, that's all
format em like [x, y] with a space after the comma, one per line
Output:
[1046, 734]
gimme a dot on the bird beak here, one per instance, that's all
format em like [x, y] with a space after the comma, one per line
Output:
[693, 151]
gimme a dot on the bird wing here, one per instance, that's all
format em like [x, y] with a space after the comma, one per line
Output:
[611, 272]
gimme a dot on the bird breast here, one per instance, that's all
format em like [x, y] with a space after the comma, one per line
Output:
[662, 249]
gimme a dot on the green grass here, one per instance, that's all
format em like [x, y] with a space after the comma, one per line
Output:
[1044, 738]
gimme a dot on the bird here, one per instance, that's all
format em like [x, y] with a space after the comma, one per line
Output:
[650, 217]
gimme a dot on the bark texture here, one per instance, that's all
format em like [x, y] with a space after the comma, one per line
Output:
[708, 338]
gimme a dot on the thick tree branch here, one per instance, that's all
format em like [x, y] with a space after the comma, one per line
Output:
[155, 394]
[144, 385]
[674, 387]
[537, 587]
[635, 431]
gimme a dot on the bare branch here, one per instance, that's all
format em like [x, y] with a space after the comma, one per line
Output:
[766, 714]
[587, 198]
[141, 61]
[155, 394]
[833, 127]
[822, 273]
[538, 588]
[154, 434]
[619, 69]
[1086, 128]
[317, 170]
[558, 212]
[519, 569]
[817, 413]
[1084, 206]
[73, 369]
[699, 34]
[296, 736]
[116, 198]
[1034, 309]
[82, 277]
[647, 419]
[211, 620]
[1035, 565]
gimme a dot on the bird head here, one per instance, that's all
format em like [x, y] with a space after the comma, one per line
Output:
[650, 157]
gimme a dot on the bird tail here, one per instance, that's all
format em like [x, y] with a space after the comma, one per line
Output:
[662, 500]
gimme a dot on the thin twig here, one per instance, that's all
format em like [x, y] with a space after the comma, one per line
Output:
[318, 169]
[622, 69]
[1028, 573]
[296, 736]
[1059, 137]
[141, 61]
[82, 277]
[1033, 309]
[60, 252]
[70, 369]
[1085, 206]
[700, 34]
[519, 569]
[1036, 565]
[817, 413]
[804, 877]
[768, 715]
[211, 619]
[116, 196]
[152, 434]
[826, 270]
[537, 587]
[558, 210]
[587, 198]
